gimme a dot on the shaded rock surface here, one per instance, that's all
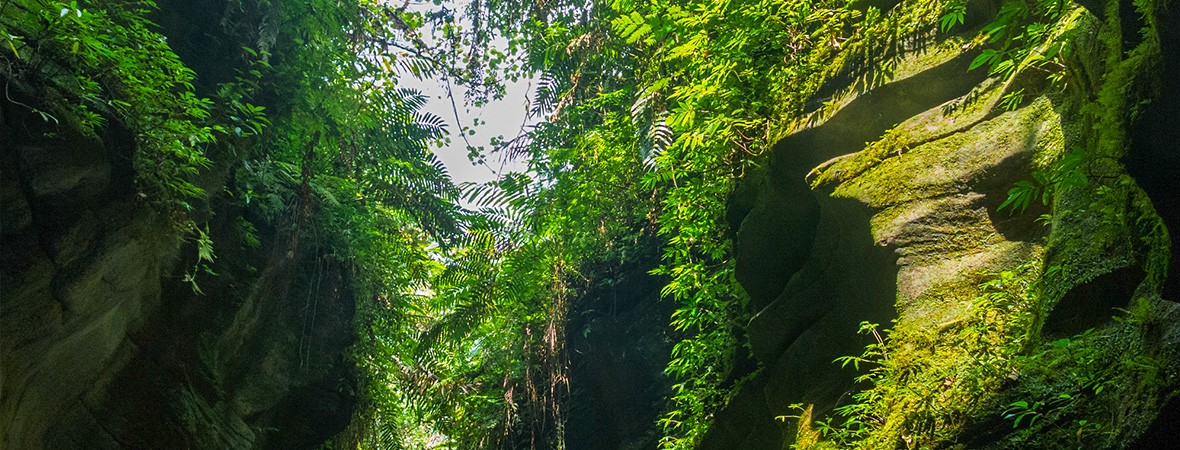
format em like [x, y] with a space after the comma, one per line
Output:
[619, 344]
[837, 273]
[104, 345]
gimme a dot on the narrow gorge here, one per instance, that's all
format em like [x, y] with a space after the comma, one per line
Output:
[739, 224]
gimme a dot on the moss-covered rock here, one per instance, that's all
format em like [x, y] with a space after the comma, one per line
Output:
[1053, 312]
[104, 344]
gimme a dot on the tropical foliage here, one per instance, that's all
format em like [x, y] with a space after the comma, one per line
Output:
[648, 114]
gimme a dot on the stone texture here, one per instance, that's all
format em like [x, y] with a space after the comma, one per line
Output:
[101, 342]
[832, 272]
[73, 288]
[899, 189]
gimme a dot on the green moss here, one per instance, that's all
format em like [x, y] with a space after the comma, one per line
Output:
[1089, 238]
[953, 117]
[1107, 223]
[1155, 244]
[941, 167]
[889, 71]
[1099, 389]
[930, 378]
[1102, 388]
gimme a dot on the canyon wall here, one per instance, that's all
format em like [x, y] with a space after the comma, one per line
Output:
[885, 208]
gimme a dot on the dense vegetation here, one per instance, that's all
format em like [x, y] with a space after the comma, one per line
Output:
[652, 112]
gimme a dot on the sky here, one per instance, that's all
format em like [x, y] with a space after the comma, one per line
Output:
[497, 118]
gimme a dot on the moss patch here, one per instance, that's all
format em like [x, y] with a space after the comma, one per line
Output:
[950, 164]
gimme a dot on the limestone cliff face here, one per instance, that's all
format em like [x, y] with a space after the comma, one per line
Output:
[887, 208]
[104, 345]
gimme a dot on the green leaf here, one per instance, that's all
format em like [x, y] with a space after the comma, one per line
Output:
[984, 58]
[956, 14]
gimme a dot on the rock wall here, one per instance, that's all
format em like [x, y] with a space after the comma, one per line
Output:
[619, 343]
[82, 269]
[103, 344]
[886, 209]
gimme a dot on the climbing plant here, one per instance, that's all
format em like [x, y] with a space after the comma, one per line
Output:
[695, 91]
[648, 115]
[98, 62]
